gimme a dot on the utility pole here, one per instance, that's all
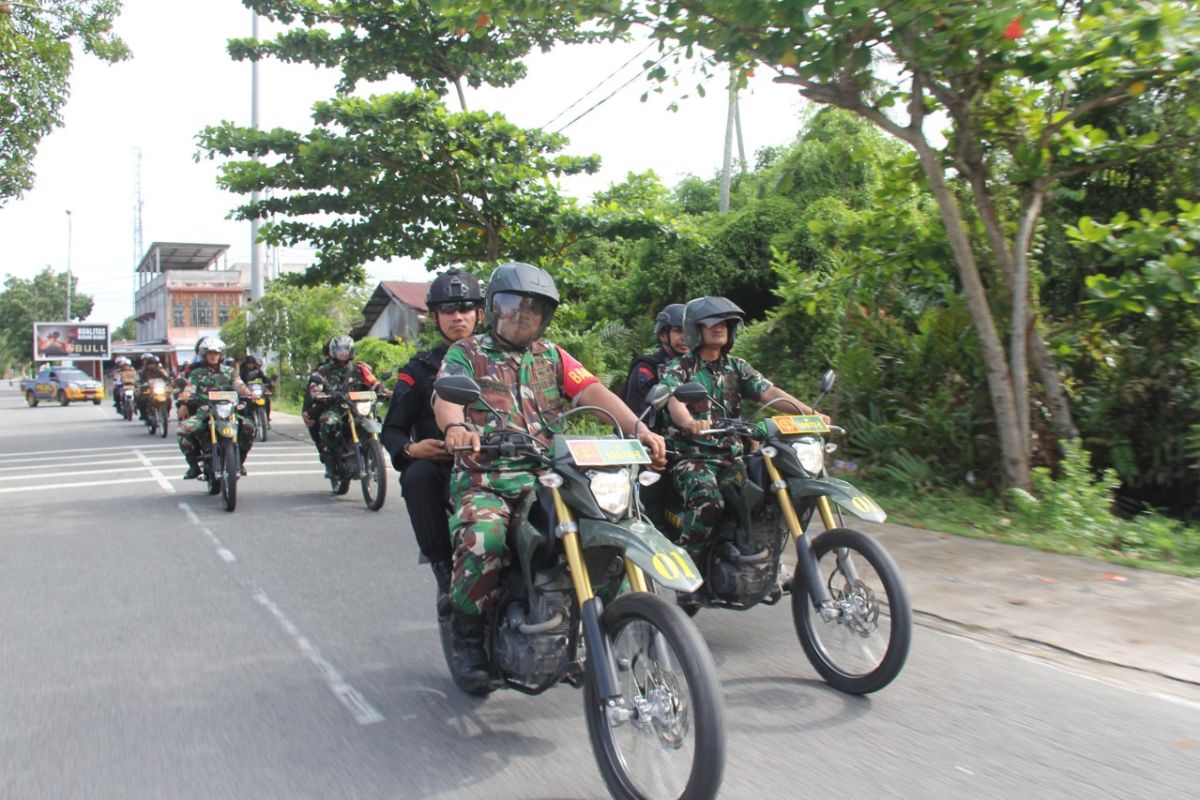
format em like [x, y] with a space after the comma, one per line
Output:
[256, 275]
[68, 265]
[727, 158]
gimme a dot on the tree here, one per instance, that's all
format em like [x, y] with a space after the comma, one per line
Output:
[399, 174]
[35, 69]
[41, 299]
[1011, 81]
[126, 330]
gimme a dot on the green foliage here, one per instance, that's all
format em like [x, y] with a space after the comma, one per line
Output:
[1076, 504]
[126, 330]
[384, 356]
[36, 42]
[41, 299]
[294, 323]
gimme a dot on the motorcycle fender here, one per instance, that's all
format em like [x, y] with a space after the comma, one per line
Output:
[840, 492]
[227, 430]
[668, 564]
[370, 425]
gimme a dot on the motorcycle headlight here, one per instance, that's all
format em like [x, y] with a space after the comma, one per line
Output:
[811, 455]
[224, 410]
[256, 389]
[612, 490]
[364, 407]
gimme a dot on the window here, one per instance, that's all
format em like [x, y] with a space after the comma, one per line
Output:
[223, 312]
[177, 314]
[202, 312]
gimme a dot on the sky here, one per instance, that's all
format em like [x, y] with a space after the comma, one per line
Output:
[180, 79]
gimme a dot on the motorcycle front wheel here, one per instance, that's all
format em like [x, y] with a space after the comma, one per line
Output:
[374, 477]
[862, 648]
[671, 744]
[260, 423]
[163, 421]
[232, 464]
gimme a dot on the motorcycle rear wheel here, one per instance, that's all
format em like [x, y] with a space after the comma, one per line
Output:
[229, 455]
[673, 745]
[374, 477]
[864, 649]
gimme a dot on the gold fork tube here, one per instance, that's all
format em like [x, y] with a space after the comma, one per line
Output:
[571, 546]
[784, 498]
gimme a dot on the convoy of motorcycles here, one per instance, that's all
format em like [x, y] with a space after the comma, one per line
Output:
[599, 596]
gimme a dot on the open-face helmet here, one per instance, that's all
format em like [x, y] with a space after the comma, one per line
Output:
[708, 311]
[211, 344]
[516, 289]
[670, 317]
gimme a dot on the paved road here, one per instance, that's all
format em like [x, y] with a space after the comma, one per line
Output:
[153, 645]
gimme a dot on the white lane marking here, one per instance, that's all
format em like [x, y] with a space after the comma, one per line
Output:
[224, 552]
[63, 453]
[364, 713]
[257, 473]
[191, 515]
[74, 485]
[39, 475]
[964, 770]
[162, 479]
[127, 460]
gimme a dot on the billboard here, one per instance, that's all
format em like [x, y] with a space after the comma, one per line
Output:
[69, 340]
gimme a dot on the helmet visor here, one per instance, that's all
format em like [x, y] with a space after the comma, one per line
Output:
[520, 318]
[341, 351]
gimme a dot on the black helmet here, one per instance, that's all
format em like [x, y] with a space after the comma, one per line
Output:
[146, 358]
[515, 278]
[341, 345]
[670, 317]
[454, 286]
[709, 310]
[250, 359]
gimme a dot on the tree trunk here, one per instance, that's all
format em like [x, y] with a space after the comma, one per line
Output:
[1056, 397]
[1014, 450]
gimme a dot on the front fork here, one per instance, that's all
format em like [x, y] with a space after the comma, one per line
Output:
[591, 609]
[806, 559]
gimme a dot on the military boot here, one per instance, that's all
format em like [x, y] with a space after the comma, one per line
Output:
[469, 661]
[193, 461]
[443, 571]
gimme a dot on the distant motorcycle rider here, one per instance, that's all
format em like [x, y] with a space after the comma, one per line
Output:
[211, 375]
[251, 371]
[531, 383]
[410, 431]
[340, 372]
[126, 375]
[645, 371]
[710, 324]
[151, 370]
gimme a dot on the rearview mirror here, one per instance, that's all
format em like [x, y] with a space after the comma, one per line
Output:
[383, 376]
[827, 381]
[458, 389]
[657, 397]
[691, 392]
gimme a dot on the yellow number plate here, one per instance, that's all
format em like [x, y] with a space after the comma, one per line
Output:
[792, 425]
[607, 452]
[218, 396]
[361, 396]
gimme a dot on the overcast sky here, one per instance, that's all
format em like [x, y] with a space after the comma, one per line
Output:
[181, 79]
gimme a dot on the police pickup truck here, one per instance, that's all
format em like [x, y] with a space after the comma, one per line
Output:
[63, 384]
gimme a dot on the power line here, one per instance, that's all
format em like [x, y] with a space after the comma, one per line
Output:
[610, 95]
[598, 85]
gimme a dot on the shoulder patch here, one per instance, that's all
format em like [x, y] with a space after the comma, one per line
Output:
[404, 376]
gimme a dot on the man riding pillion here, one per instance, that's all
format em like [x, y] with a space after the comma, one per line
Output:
[341, 371]
[531, 382]
[645, 371]
[151, 370]
[410, 431]
[210, 375]
[710, 325]
[126, 375]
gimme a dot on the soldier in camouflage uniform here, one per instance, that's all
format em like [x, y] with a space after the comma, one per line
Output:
[710, 323]
[209, 376]
[342, 372]
[531, 383]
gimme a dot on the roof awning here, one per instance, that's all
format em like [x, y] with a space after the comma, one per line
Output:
[163, 256]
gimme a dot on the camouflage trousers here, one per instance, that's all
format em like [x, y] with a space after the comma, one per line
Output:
[483, 505]
[195, 426]
[699, 484]
[329, 429]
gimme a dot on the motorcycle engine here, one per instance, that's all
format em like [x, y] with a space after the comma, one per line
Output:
[741, 568]
[532, 638]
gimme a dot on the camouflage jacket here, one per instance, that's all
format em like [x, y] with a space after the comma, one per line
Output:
[205, 379]
[531, 389]
[727, 380]
[349, 376]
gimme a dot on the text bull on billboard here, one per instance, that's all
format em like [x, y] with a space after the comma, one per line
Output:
[55, 340]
